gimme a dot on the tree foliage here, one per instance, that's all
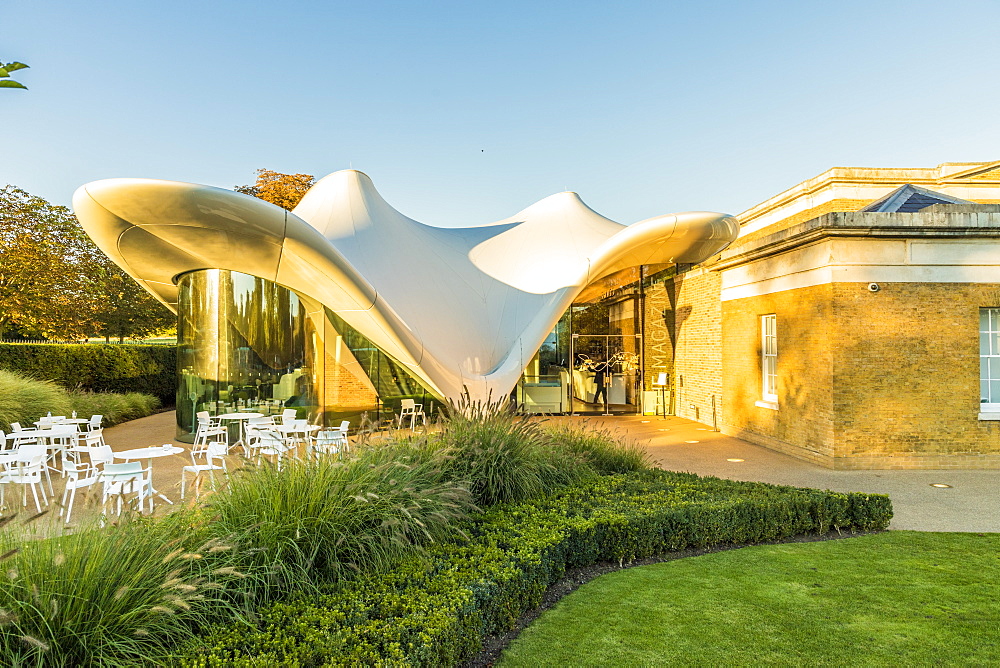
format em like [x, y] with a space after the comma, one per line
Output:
[5, 70]
[124, 309]
[56, 283]
[43, 259]
[284, 190]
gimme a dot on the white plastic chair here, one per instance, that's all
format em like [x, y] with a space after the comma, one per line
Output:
[121, 480]
[77, 476]
[410, 409]
[216, 452]
[26, 469]
[25, 436]
[93, 424]
[97, 451]
[288, 415]
[332, 441]
[259, 444]
[208, 433]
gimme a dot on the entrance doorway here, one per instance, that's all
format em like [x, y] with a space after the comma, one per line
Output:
[607, 374]
[592, 361]
[607, 355]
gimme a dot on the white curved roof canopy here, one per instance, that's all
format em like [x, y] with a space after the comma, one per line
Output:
[461, 308]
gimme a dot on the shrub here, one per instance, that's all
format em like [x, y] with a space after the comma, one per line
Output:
[436, 613]
[97, 367]
[312, 521]
[106, 596]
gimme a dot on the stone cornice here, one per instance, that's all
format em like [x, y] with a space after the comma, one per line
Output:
[976, 221]
[945, 173]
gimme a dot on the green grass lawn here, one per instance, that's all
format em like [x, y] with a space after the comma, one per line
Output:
[901, 598]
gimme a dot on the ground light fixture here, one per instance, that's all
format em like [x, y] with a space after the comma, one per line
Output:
[733, 459]
[939, 484]
[692, 441]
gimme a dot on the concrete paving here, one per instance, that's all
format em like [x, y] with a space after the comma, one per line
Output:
[972, 503]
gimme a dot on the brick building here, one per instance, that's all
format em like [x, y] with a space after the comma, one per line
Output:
[854, 323]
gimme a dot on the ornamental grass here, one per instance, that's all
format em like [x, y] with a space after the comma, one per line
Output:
[24, 400]
[107, 596]
[316, 521]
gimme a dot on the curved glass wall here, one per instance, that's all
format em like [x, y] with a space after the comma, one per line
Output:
[245, 344]
[390, 380]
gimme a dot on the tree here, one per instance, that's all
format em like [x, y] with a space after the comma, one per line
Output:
[124, 309]
[284, 190]
[5, 70]
[42, 253]
[56, 283]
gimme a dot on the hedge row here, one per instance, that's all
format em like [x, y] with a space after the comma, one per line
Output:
[436, 611]
[97, 367]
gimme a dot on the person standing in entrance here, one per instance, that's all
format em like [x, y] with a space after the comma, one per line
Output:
[600, 374]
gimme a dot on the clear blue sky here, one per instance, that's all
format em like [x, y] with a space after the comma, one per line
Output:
[465, 112]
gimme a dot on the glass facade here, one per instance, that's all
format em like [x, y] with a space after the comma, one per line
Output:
[246, 344]
[592, 361]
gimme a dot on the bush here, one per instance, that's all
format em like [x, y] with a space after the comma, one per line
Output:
[437, 613]
[315, 521]
[97, 367]
[105, 596]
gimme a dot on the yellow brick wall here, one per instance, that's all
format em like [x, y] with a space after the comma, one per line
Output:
[865, 380]
[343, 391]
[697, 377]
[803, 425]
[907, 371]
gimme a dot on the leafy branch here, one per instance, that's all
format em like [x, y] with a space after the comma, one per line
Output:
[5, 70]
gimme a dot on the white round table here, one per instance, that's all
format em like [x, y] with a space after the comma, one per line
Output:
[241, 418]
[149, 454]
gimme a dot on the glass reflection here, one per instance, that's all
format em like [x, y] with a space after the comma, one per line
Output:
[246, 344]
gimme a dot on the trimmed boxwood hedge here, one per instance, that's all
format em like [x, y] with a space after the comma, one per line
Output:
[97, 367]
[437, 610]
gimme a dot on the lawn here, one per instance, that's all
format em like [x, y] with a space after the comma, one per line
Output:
[895, 598]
